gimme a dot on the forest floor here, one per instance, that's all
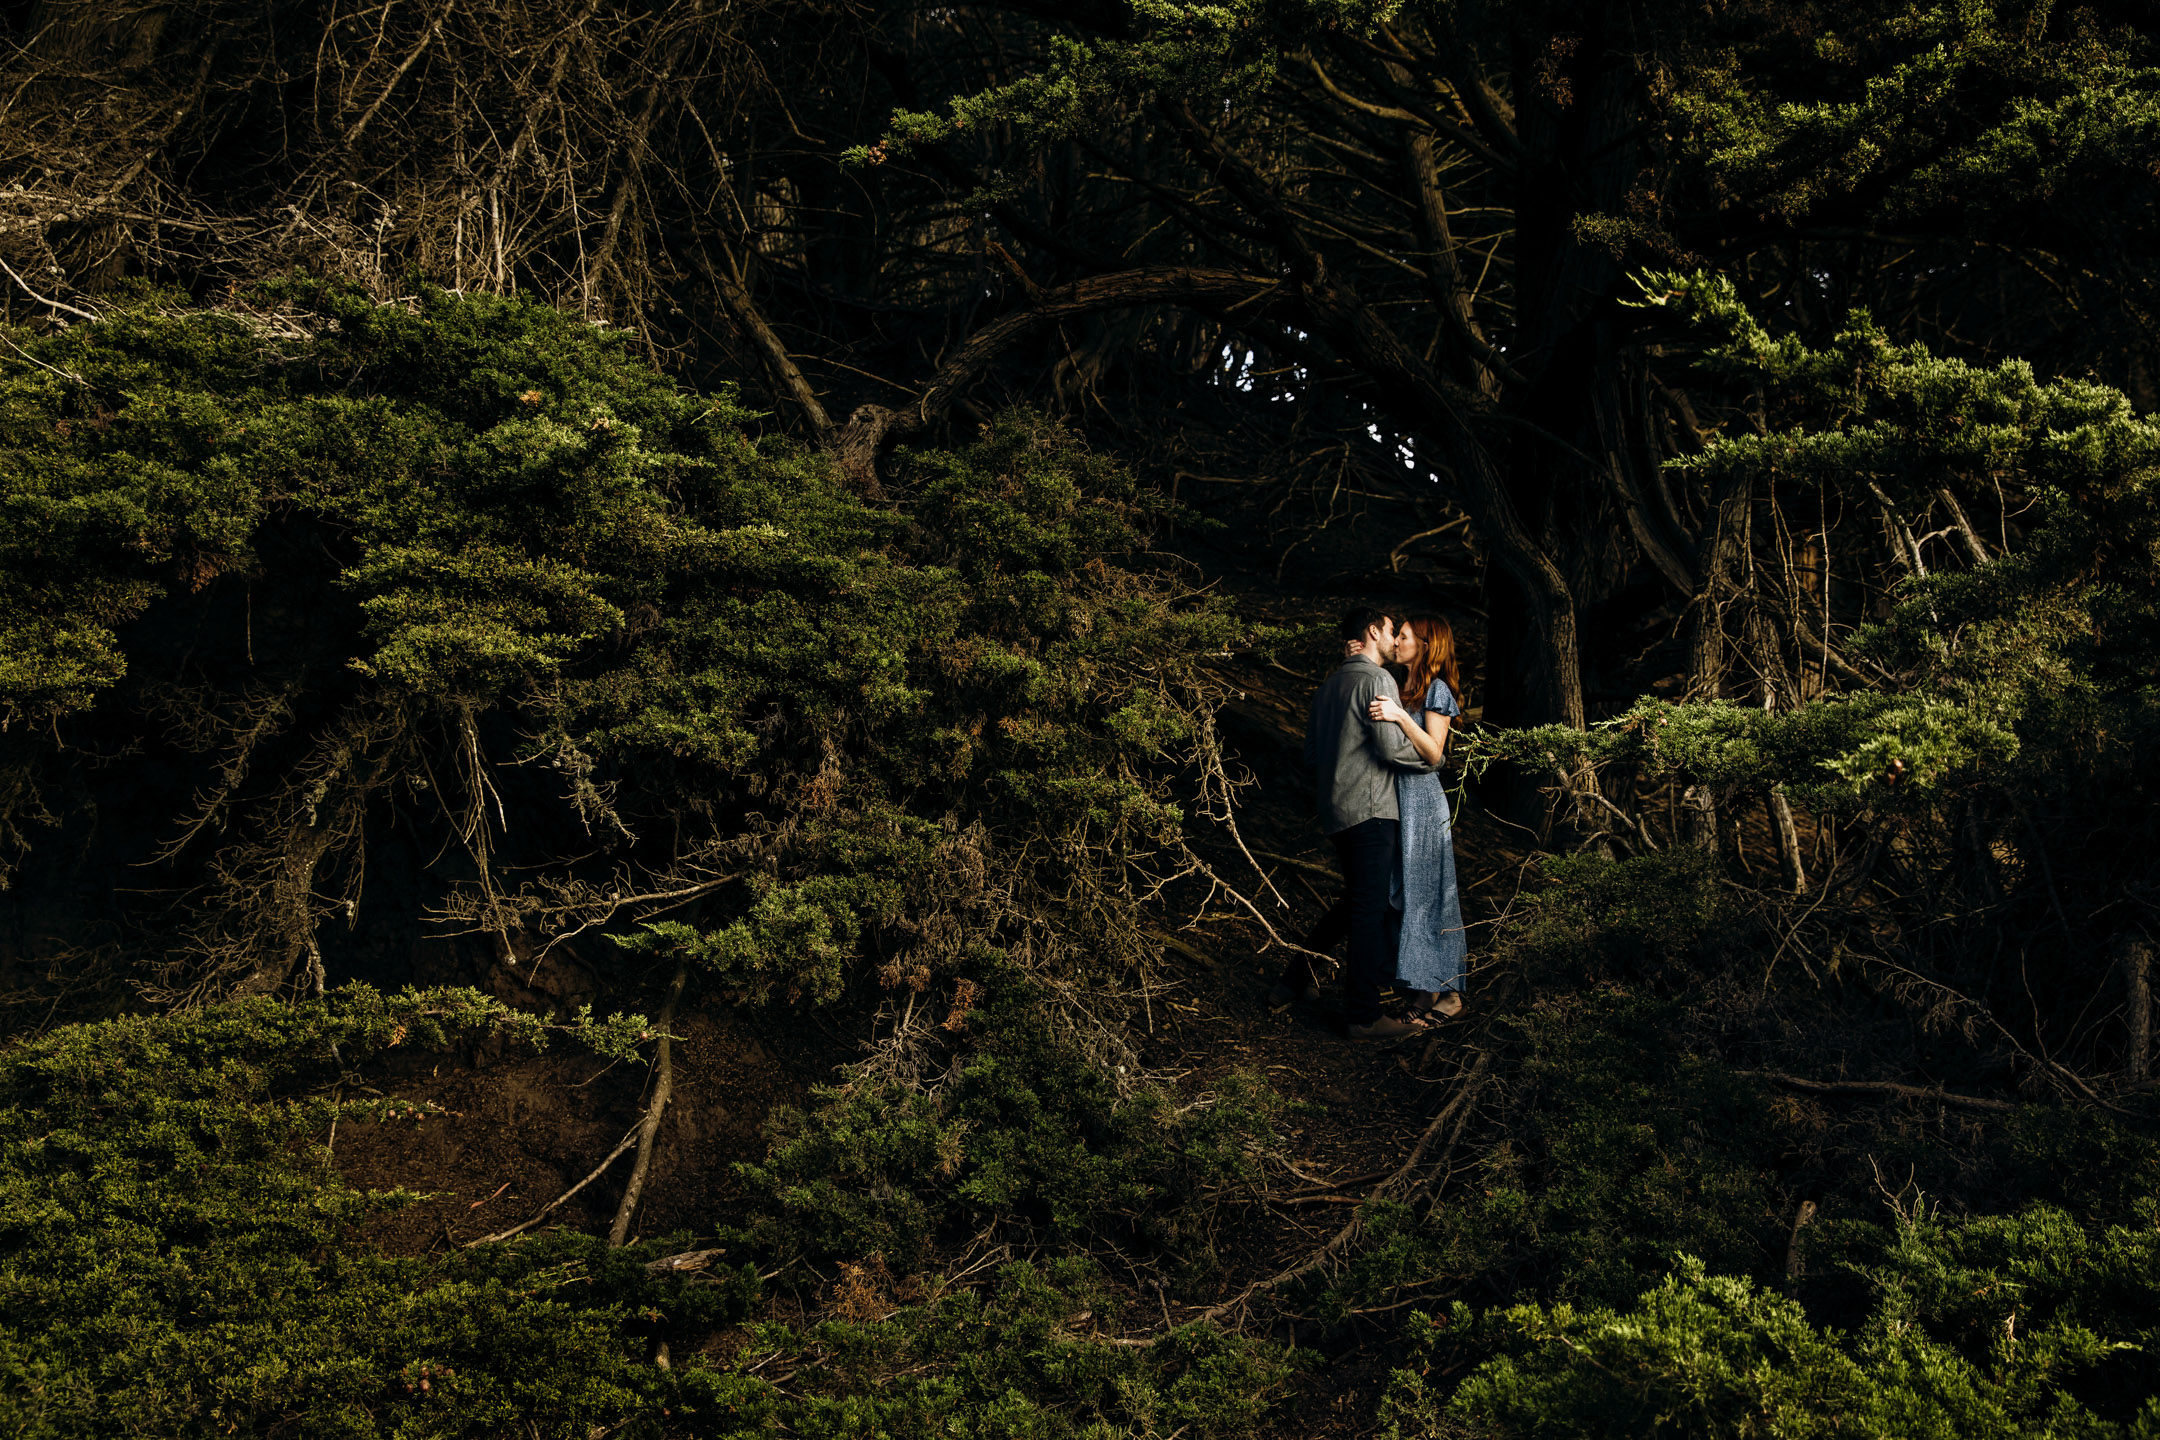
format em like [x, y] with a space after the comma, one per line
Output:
[516, 1130]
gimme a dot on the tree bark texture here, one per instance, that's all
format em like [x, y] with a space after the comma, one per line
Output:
[2136, 957]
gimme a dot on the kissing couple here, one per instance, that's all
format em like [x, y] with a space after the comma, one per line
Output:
[1376, 777]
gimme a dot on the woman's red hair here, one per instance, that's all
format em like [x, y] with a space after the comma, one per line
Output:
[1436, 658]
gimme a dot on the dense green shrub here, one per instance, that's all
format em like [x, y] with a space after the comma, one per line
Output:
[1625, 1143]
[1025, 1130]
[1634, 1222]
[463, 574]
[1590, 918]
[178, 1256]
[2000, 1326]
[2000, 683]
[520, 600]
[1016, 1359]
[1621, 1152]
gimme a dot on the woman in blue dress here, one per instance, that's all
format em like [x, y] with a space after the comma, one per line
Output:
[1435, 949]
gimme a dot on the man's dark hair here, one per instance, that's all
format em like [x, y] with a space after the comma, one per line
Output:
[1358, 620]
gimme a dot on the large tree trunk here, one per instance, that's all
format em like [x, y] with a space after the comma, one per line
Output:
[1565, 447]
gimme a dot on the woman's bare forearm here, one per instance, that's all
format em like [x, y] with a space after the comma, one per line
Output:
[1436, 730]
[1430, 750]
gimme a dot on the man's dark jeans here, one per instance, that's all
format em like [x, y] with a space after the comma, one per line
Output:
[1367, 855]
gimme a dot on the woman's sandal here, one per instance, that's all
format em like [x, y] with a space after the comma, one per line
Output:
[1431, 1015]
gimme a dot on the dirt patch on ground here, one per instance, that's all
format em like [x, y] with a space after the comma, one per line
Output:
[519, 1130]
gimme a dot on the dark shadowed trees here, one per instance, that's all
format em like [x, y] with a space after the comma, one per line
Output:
[1253, 240]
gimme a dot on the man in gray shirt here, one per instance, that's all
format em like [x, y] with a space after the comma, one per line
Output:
[1354, 761]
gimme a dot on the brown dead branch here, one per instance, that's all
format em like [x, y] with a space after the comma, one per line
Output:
[874, 428]
[1879, 1090]
[557, 1203]
[655, 1109]
[689, 1262]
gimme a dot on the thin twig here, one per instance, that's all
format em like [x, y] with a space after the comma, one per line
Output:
[553, 1205]
[1238, 895]
[1316, 869]
[63, 374]
[55, 304]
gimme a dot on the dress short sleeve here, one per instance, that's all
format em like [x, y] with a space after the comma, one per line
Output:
[1440, 700]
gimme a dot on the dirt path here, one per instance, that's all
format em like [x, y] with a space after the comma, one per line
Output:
[1364, 1106]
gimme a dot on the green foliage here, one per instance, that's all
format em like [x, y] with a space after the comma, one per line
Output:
[1976, 109]
[1168, 47]
[2033, 668]
[1863, 408]
[1644, 1152]
[1592, 919]
[1842, 752]
[159, 442]
[2102, 1166]
[1639, 1210]
[1026, 1130]
[1624, 1152]
[1016, 1360]
[486, 553]
[178, 1257]
[1624, 1145]
[1014, 677]
[1700, 1355]
[1999, 1326]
